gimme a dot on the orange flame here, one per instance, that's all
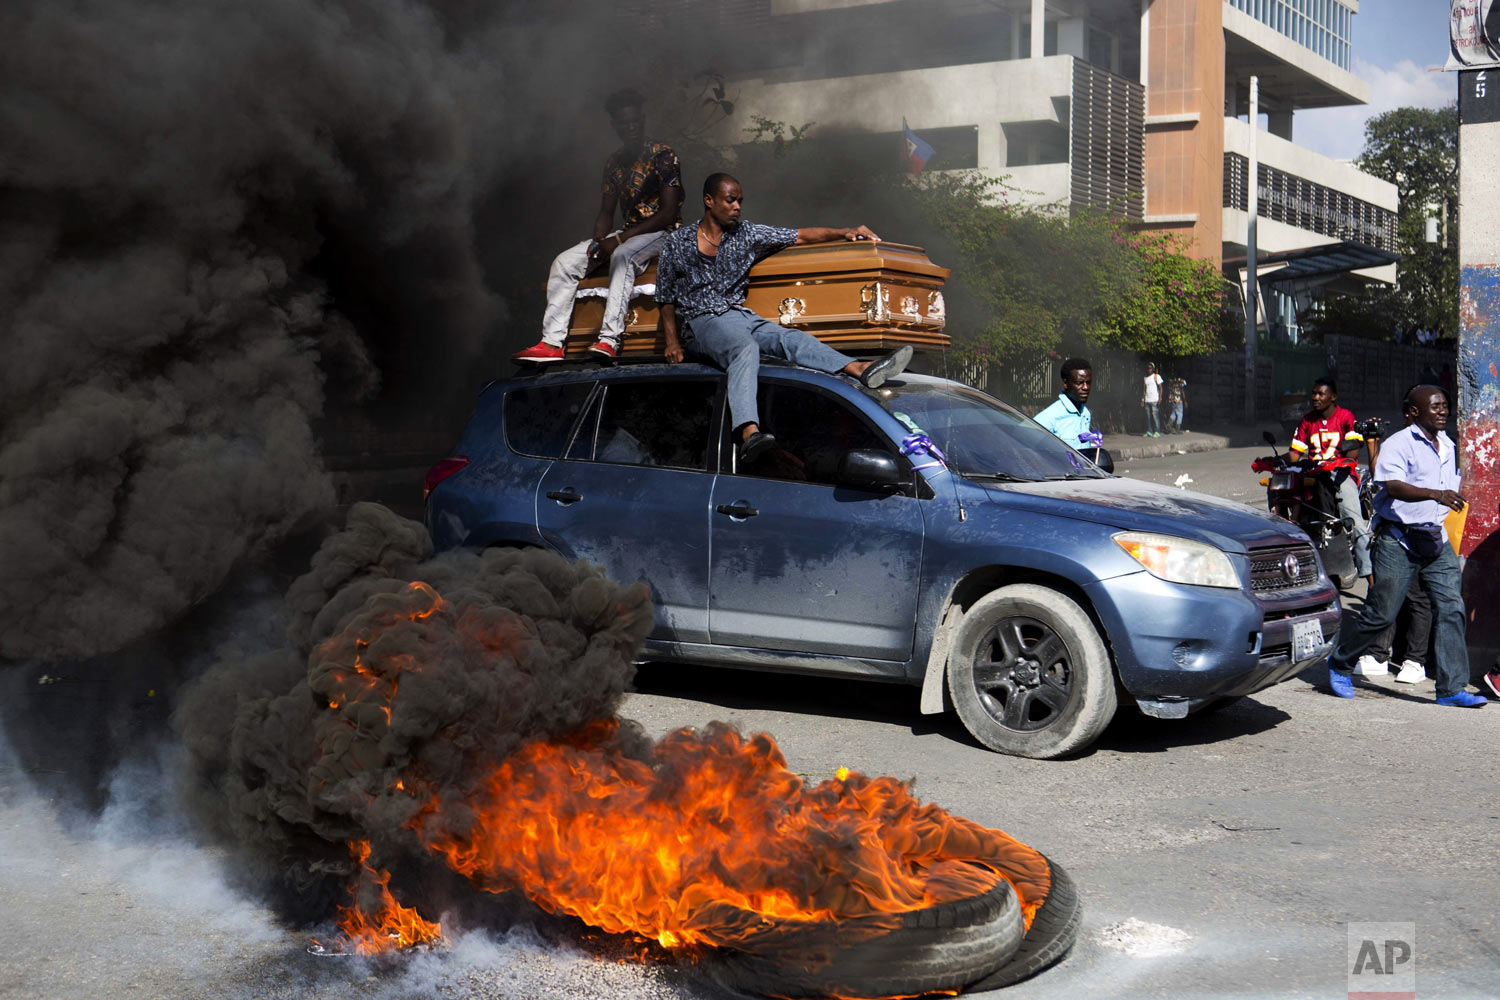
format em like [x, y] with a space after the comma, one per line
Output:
[714, 841]
[375, 922]
[711, 840]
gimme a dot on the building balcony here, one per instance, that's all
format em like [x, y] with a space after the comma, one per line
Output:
[1306, 73]
[1305, 199]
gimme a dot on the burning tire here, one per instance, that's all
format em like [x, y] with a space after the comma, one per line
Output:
[944, 947]
[1029, 674]
[1053, 930]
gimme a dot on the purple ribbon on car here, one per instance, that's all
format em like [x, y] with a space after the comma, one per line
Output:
[921, 444]
[1092, 439]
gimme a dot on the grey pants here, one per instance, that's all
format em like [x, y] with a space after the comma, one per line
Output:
[1348, 501]
[568, 267]
[736, 339]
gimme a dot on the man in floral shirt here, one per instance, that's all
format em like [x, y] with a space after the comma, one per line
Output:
[643, 179]
[701, 282]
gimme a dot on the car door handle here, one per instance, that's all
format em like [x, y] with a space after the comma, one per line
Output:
[740, 508]
[565, 496]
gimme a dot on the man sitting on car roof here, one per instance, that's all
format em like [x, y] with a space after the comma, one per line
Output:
[701, 279]
[644, 180]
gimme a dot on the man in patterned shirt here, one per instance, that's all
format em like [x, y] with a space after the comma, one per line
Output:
[700, 283]
[1325, 433]
[644, 180]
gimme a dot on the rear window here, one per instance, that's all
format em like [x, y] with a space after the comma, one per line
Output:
[539, 418]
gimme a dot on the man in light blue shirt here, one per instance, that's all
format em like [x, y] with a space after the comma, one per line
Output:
[1419, 479]
[1069, 417]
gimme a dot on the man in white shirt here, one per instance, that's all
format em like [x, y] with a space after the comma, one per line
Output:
[1151, 400]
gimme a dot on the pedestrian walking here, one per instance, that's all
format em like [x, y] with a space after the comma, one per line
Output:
[1418, 484]
[1176, 401]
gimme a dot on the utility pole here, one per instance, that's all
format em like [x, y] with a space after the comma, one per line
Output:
[1252, 287]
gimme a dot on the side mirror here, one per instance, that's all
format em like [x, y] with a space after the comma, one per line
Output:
[869, 467]
[1268, 438]
[1105, 460]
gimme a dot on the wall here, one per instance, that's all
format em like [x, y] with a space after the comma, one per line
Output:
[1185, 120]
[1479, 367]
[1373, 375]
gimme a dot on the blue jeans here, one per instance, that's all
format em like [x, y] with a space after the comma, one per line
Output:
[735, 340]
[1394, 569]
[1153, 422]
[1175, 417]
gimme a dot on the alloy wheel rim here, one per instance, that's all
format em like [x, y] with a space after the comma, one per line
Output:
[1023, 674]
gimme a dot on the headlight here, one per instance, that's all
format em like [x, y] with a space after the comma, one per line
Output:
[1179, 560]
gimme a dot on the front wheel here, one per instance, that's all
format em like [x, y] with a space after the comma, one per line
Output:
[1029, 674]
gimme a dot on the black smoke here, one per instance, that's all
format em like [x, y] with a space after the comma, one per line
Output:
[405, 680]
[217, 218]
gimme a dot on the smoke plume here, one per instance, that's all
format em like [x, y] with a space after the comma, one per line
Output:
[212, 214]
[406, 680]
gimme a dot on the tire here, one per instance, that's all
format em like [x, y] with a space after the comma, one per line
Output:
[1011, 701]
[942, 947]
[1053, 930]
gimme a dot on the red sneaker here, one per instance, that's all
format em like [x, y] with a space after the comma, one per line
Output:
[604, 349]
[1492, 681]
[540, 354]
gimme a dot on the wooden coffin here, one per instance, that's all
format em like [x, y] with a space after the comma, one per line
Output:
[858, 297]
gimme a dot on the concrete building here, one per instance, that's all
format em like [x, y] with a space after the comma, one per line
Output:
[1132, 106]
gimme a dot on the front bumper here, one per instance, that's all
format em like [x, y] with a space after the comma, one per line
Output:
[1175, 643]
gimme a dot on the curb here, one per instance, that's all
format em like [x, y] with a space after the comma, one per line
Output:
[1193, 441]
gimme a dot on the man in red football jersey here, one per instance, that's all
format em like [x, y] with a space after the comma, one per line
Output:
[1326, 432]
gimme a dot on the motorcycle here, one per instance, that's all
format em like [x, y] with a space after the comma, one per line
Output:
[1305, 492]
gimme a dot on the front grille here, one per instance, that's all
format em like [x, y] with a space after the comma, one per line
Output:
[1268, 568]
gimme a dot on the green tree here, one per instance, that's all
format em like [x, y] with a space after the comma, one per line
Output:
[1417, 150]
[1178, 307]
[1027, 280]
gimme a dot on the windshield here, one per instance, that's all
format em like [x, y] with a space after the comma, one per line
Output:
[983, 437]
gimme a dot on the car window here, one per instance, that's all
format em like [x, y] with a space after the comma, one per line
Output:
[982, 436]
[538, 418]
[813, 430]
[657, 423]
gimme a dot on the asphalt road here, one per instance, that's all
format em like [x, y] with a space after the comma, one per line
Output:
[1225, 855]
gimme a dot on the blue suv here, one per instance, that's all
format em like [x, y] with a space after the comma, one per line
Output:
[923, 533]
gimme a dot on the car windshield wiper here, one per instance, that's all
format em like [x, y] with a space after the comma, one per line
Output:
[1072, 475]
[1001, 477]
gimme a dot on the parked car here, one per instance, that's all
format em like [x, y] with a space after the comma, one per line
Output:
[923, 533]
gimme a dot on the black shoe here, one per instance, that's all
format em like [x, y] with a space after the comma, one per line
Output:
[890, 366]
[756, 445]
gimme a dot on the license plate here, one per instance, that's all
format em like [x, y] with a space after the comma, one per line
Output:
[1306, 638]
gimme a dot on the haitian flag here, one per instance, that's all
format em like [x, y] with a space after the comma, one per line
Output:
[917, 151]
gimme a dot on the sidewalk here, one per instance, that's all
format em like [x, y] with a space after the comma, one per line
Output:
[1125, 447]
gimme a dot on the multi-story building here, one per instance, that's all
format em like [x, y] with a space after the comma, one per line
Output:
[1138, 107]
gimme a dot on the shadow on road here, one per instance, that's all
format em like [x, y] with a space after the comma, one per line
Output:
[895, 704]
[1132, 732]
[830, 697]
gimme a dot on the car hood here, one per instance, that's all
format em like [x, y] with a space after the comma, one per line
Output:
[1134, 505]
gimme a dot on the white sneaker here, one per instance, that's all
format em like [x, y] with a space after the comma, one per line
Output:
[1411, 672]
[1368, 666]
